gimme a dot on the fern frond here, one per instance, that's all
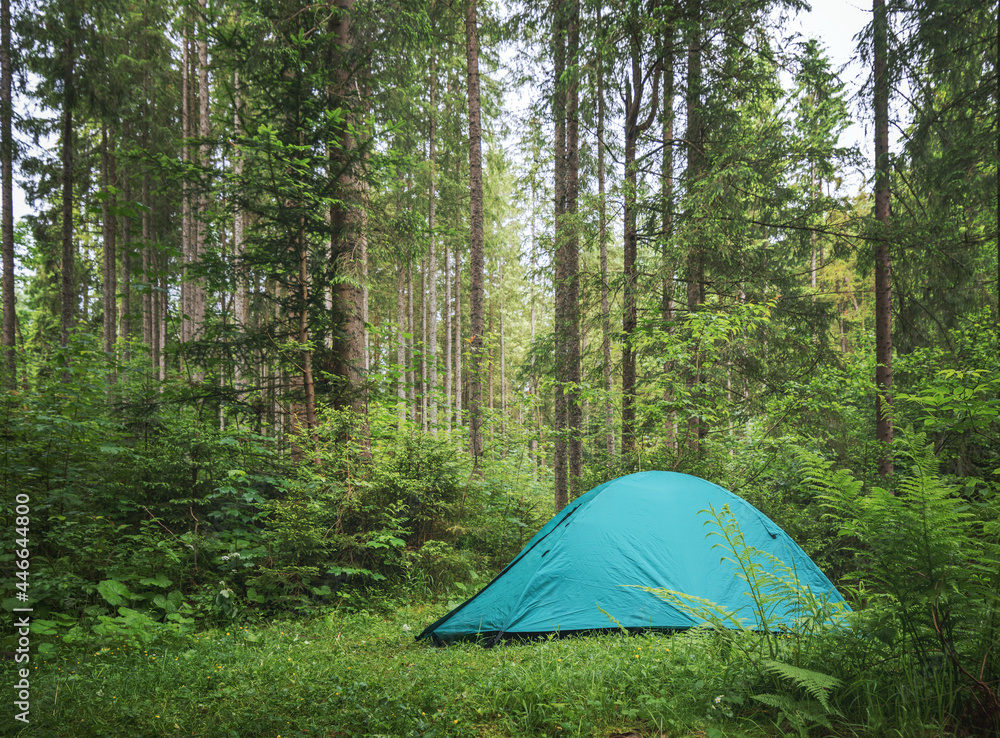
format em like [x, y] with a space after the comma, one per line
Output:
[800, 713]
[816, 684]
[696, 608]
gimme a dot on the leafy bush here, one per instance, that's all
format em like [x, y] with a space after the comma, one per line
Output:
[934, 560]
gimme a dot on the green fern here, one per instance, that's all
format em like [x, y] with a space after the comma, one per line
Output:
[931, 548]
[816, 684]
[802, 714]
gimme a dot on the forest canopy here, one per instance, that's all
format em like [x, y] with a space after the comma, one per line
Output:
[307, 313]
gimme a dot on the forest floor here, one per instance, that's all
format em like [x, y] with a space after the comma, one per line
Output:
[365, 675]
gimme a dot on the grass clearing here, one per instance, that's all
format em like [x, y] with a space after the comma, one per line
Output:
[343, 674]
[365, 675]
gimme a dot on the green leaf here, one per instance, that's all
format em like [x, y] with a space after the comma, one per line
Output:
[114, 592]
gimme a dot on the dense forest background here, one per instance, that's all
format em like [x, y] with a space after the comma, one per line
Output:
[304, 317]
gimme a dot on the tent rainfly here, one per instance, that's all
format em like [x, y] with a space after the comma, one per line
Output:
[648, 529]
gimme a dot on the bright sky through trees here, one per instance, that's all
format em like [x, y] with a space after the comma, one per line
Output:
[834, 22]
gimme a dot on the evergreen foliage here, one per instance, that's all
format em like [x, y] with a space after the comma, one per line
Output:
[243, 382]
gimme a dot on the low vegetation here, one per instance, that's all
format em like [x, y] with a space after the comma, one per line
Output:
[188, 579]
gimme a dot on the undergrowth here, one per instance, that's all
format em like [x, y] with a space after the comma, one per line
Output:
[363, 674]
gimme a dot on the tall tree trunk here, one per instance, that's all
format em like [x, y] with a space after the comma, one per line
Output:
[68, 291]
[9, 367]
[634, 128]
[458, 330]
[447, 340]
[423, 347]
[432, 329]
[109, 228]
[349, 225]
[667, 224]
[602, 237]
[560, 459]
[184, 332]
[242, 302]
[308, 386]
[401, 345]
[476, 237]
[533, 382]
[695, 168]
[411, 329]
[163, 311]
[503, 358]
[125, 314]
[574, 396]
[883, 263]
[199, 294]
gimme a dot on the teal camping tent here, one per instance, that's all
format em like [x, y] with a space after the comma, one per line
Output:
[647, 529]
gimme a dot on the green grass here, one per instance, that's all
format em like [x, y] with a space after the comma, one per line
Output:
[364, 675]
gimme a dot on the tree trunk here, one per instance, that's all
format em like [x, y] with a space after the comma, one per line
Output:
[458, 331]
[667, 226]
[401, 345]
[308, 386]
[695, 168]
[447, 340]
[503, 359]
[560, 459]
[411, 329]
[242, 302]
[184, 333]
[109, 228]
[349, 238]
[476, 238]
[432, 329]
[423, 347]
[602, 237]
[634, 92]
[9, 362]
[125, 314]
[68, 291]
[199, 294]
[574, 396]
[568, 407]
[883, 263]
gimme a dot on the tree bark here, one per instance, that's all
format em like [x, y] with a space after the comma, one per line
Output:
[401, 345]
[308, 385]
[411, 329]
[432, 328]
[185, 296]
[602, 237]
[634, 128]
[9, 363]
[574, 396]
[667, 225]
[422, 394]
[68, 291]
[199, 295]
[125, 280]
[241, 305]
[883, 263]
[695, 168]
[568, 406]
[109, 228]
[349, 238]
[476, 238]
[560, 458]
[447, 340]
